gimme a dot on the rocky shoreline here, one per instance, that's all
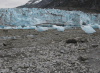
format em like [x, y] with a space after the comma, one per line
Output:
[30, 51]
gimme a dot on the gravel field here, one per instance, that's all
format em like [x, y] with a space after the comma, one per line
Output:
[30, 51]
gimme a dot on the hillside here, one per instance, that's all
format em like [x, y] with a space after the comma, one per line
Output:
[84, 5]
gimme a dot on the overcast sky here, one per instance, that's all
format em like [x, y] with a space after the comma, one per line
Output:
[12, 3]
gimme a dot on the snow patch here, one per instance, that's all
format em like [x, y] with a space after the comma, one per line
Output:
[37, 1]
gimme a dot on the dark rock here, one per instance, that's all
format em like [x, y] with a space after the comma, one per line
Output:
[4, 44]
[94, 45]
[81, 58]
[71, 41]
[99, 72]
[62, 51]
[83, 23]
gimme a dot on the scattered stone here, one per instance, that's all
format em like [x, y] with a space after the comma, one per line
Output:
[81, 40]
[14, 67]
[4, 44]
[26, 65]
[99, 72]
[62, 51]
[94, 45]
[30, 36]
[82, 49]
[7, 44]
[19, 70]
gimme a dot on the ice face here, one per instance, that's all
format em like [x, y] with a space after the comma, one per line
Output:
[34, 16]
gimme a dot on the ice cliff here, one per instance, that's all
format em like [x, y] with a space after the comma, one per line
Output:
[34, 16]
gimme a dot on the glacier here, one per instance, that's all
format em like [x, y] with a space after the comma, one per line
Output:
[29, 18]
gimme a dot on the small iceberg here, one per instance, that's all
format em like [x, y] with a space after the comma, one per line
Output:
[54, 26]
[67, 27]
[8, 27]
[26, 27]
[29, 27]
[95, 26]
[19, 27]
[99, 27]
[60, 28]
[40, 29]
[88, 29]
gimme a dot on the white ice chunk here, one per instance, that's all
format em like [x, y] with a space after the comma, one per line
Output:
[19, 27]
[95, 26]
[40, 29]
[29, 27]
[54, 26]
[99, 27]
[67, 27]
[32, 27]
[60, 28]
[26, 27]
[30, 36]
[88, 29]
[8, 27]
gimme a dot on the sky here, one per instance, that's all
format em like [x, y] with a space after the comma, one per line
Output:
[12, 3]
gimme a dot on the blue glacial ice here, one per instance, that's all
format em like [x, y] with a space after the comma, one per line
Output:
[28, 18]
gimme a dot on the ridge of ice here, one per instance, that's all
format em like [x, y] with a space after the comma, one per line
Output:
[34, 16]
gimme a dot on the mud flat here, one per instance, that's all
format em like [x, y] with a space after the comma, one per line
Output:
[29, 51]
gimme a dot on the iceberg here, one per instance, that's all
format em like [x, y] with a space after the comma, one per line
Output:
[95, 26]
[8, 27]
[40, 29]
[88, 29]
[55, 27]
[60, 28]
[99, 27]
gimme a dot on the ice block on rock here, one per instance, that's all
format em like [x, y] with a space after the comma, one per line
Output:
[40, 29]
[99, 27]
[67, 27]
[8, 27]
[60, 28]
[54, 26]
[88, 29]
[19, 27]
[95, 26]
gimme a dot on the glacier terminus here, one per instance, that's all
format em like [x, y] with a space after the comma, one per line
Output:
[29, 18]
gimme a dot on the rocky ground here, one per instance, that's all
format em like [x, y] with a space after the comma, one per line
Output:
[29, 51]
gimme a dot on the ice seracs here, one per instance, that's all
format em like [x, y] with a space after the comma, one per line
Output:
[35, 16]
[87, 28]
